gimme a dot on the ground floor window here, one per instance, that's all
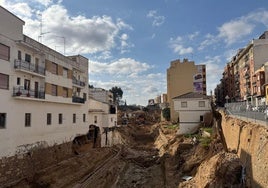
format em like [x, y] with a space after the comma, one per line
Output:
[3, 117]
[60, 118]
[74, 118]
[27, 119]
[49, 118]
[84, 117]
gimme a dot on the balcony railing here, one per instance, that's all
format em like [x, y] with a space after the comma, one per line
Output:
[21, 92]
[78, 82]
[24, 65]
[78, 99]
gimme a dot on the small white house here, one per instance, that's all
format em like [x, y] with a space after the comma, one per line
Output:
[191, 108]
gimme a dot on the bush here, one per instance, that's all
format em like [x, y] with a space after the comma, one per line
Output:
[166, 113]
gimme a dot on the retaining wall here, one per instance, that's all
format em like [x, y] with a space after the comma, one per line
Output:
[250, 142]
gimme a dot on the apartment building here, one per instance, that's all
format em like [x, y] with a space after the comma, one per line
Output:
[183, 77]
[43, 94]
[243, 77]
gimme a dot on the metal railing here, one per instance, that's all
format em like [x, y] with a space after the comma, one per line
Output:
[19, 91]
[78, 82]
[76, 99]
[248, 112]
[20, 64]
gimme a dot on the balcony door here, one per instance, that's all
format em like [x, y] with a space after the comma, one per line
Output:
[36, 86]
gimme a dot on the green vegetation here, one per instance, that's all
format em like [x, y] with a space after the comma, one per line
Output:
[166, 113]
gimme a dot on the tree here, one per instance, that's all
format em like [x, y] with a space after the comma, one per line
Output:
[166, 113]
[117, 94]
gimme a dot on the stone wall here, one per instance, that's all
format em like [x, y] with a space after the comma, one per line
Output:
[250, 142]
[25, 165]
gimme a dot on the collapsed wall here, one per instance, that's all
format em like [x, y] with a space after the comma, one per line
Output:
[249, 141]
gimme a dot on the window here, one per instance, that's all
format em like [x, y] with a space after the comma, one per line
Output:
[28, 58]
[53, 90]
[54, 68]
[18, 81]
[65, 72]
[201, 118]
[74, 118]
[84, 117]
[84, 96]
[49, 118]
[4, 52]
[4, 81]
[201, 104]
[65, 92]
[95, 119]
[184, 104]
[3, 117]
[60, 118]
[19, 55]
[27, 119]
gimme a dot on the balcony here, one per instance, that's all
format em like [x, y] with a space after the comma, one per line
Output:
[29, 68]
[19, 91]
[76, 99]
[78, 82]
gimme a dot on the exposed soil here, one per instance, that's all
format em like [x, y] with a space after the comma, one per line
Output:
[151, 156]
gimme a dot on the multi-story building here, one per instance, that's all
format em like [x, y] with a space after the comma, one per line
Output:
[184, 77]
[103, 114]
[43, 94]
[242, 81]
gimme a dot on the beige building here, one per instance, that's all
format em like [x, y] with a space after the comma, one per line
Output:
[184, 77]
[43, 94]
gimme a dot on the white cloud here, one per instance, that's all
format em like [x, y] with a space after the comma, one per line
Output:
[193, 35]
[157, 19]
[122, 66]
[235, 30]
[177, 46]
[82, 35]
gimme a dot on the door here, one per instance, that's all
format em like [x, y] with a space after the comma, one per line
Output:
[36, 89]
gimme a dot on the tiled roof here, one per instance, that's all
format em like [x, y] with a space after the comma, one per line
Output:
[191, 95]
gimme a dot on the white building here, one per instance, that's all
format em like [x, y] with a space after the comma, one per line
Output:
[101, 94]
[103, 114]
[43, 94]
[191, 108]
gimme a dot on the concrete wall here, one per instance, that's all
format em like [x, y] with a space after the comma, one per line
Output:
[250, 141]
[11, 28]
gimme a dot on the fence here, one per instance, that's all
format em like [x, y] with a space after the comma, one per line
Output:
[247, 112]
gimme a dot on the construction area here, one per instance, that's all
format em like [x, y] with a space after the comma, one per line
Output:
[151, 154]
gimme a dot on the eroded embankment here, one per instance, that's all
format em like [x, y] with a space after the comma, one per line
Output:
[250, 142]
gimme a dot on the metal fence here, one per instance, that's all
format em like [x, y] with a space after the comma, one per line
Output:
[248, 112]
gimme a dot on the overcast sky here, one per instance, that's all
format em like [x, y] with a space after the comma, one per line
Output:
[130, 43]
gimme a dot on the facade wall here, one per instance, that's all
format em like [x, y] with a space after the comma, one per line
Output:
[29, 93]
[13, 28]
[180, 81]
[191, 116]
[99, 115]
